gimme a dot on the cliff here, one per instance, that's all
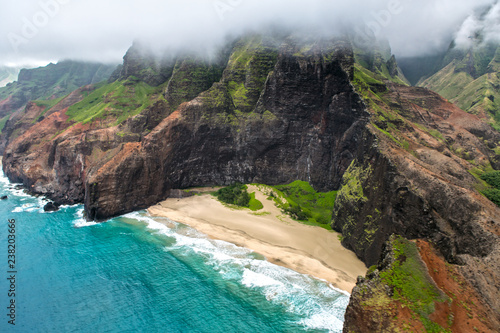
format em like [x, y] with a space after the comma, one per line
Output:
[279, 111]
[415, 175]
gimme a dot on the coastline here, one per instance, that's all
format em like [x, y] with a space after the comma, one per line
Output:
[306, 249]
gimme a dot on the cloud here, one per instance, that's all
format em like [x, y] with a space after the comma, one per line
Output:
[482, 26]
[49, 30]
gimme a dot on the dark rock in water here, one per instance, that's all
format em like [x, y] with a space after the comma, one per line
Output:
[3, 197]
[51, 207]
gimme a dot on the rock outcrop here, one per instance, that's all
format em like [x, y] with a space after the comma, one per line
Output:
[414, 289]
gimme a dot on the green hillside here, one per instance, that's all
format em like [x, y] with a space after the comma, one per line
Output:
[53, 81]
[471, 80]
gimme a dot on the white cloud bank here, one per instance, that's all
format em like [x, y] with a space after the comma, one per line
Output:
[34, 31]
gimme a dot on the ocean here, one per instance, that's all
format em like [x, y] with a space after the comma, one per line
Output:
[134, 274]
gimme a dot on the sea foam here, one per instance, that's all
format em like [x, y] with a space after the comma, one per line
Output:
[318, 303]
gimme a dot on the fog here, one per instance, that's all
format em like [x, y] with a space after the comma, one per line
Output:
[34, 32]
[480, 28]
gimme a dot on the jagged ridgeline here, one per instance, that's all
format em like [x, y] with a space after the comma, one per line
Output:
[273, 110]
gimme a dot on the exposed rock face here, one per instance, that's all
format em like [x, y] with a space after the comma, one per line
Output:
[281, 111]
[306, 121]
[418, 186]
[50, 207]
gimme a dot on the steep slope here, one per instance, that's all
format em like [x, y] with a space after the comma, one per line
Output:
[414, 176]
[272, 117]
[273, 123]
[44, 87]
[52, 81]
[471, 80]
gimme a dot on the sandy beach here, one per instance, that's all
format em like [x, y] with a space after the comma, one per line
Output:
[306, 249]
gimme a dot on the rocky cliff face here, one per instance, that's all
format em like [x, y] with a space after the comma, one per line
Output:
[412, 177]
[414, 289]
[280, 111]
[294, 118]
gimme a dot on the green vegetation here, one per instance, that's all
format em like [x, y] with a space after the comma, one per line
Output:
[118, 100]
[48, 104]
[190, 77]
[248, 68]
[492, 179]
[3, 121]
[385, 118]
[48, 85]
[254, 204]
[352, 184]
[302, 202]
[471, 80]
[493, 194]
[55, 80]
[411, 284]
[352, 195]
[379, 62]
[236, 194]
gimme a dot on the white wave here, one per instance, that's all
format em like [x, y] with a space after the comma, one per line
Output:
[252, 279]
[323, 320]
[70, 206]
[4, 180]
[320, 305]
[80, 221]
[27, 207]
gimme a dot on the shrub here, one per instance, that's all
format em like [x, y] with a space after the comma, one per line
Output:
[492, 178]
[235, 195]
[493, 194]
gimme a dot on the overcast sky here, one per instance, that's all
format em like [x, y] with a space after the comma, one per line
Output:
[35, 32]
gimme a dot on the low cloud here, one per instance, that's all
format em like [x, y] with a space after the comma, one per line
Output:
[483, 26]
[34, 31]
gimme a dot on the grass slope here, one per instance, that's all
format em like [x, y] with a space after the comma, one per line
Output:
[411, 284]
[471, 80]
[116, 101]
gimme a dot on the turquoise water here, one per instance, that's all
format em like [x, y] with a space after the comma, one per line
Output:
[134, 274]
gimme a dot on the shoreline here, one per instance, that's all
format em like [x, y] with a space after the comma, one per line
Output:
[303, 248]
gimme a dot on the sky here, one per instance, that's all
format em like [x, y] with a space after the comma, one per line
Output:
[35, 32]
